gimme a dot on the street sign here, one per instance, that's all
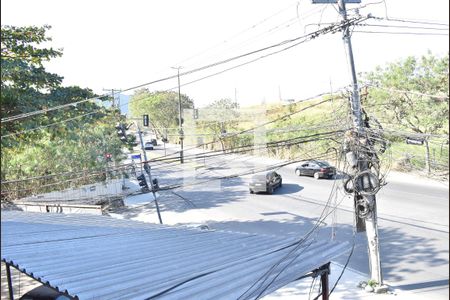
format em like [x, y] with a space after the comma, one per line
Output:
[414, 141]
[136, 156]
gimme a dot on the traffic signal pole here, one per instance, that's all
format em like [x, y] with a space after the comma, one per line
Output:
[180, 116]
[362, 164]
[148, 170]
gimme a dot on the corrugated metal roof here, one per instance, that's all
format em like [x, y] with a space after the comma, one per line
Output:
[98, 257]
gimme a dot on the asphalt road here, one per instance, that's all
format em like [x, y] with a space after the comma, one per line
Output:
[413, 215]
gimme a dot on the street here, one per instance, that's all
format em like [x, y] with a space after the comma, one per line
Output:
[412, 214]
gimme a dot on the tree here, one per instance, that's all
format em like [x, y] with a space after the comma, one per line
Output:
[23, 76]
[222, 117]
[162, 108]
[69, 139]
[413, 93]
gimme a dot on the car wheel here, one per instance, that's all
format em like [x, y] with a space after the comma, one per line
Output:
[316, 175]
[298, 172]
[270, 190]
[251, 192]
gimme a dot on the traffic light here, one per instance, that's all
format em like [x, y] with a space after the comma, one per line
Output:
[121, 132]
[145, 120]
[155, 184]
[177, 120]
[143, 182]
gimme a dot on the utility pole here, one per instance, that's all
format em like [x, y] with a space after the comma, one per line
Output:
[164, 141]
[365, 203]
[180, 115]
[148, 170]
[113, 97]
[370, 220]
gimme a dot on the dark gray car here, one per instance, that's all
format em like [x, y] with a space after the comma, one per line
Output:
[316, 168]
[266, 182]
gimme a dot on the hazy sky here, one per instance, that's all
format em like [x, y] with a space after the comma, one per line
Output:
[121, 44]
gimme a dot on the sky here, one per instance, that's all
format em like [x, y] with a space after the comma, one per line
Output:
[123, 44]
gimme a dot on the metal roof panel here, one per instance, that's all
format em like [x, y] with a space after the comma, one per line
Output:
[98, 257]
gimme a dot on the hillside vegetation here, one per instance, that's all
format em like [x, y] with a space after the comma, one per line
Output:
[405, 101]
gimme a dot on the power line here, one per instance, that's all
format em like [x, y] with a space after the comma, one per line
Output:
[52, 124]
[401, 32]
[244, 131]
[324, 214]
[412, 21]
[312, 35]
[208, 154]
[402, 26]
[37, 112]
[405, 91]
[270, 31]
[236, 35]
[176, 186]
[264, 124]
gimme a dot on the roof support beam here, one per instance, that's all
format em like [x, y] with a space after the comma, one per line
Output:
[8, 277]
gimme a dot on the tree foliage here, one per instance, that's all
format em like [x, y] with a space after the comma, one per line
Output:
[63, 140]
[412, 93]
[162, 108]
[220, 118]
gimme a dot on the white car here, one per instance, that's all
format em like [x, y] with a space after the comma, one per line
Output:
[148, 146]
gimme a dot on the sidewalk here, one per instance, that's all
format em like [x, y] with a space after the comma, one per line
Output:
[346, 289]
[395, 176]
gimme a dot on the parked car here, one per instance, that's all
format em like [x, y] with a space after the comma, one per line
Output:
[154, 142]
[316, 168]
[148, 146]
[266, 182]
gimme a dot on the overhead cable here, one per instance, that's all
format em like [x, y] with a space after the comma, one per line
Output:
[311, 35]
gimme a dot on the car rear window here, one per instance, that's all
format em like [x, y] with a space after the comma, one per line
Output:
[322, 164]
[259, 177]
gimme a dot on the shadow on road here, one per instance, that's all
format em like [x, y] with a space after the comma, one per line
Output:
[423, 285]
[399, 260]
[288, 188]
[405, 253]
